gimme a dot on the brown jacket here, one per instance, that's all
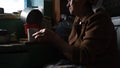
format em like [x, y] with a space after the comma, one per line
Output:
[96, 41]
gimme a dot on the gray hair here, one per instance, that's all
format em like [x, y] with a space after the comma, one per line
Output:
[99, 4]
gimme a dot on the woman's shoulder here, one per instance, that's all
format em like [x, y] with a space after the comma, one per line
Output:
[100, 14]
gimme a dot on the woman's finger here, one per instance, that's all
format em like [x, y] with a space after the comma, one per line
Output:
[36, 33]
[36, 36]
[41, 32]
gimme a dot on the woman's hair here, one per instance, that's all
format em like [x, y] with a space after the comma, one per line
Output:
[90, 1]
[97, 4]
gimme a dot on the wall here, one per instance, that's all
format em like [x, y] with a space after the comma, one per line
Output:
[112, 6]
[48, 8]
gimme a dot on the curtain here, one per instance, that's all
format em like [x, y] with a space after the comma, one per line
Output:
[34, 3]
[27, 3]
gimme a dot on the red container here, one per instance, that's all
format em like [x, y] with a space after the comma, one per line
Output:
[27, 26]
[30, 29]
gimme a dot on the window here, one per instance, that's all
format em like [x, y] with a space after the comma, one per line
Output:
[35, 4]
[12, 5]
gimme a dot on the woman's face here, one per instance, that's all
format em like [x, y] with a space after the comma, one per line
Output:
[76, 7]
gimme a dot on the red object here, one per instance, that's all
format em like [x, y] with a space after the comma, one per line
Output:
[27, 26]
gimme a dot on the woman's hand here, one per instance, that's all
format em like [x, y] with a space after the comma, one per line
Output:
[45, 35]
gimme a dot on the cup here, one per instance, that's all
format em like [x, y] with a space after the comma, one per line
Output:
[30, 29]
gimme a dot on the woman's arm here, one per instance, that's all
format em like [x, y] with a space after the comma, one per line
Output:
[48, 36]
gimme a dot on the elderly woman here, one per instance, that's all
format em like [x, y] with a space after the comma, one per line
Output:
[92, 42]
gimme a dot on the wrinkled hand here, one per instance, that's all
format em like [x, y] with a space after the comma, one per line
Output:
[44, 35]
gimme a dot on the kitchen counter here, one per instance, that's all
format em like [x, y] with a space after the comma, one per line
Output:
[13, 47]
[27, 55]
[13, 55]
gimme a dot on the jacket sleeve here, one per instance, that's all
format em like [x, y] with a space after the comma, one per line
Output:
[93, 41]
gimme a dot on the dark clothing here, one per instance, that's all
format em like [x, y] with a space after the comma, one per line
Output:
[96, 40]
[63, 29]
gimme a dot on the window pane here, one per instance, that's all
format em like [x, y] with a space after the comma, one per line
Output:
[12, 5]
